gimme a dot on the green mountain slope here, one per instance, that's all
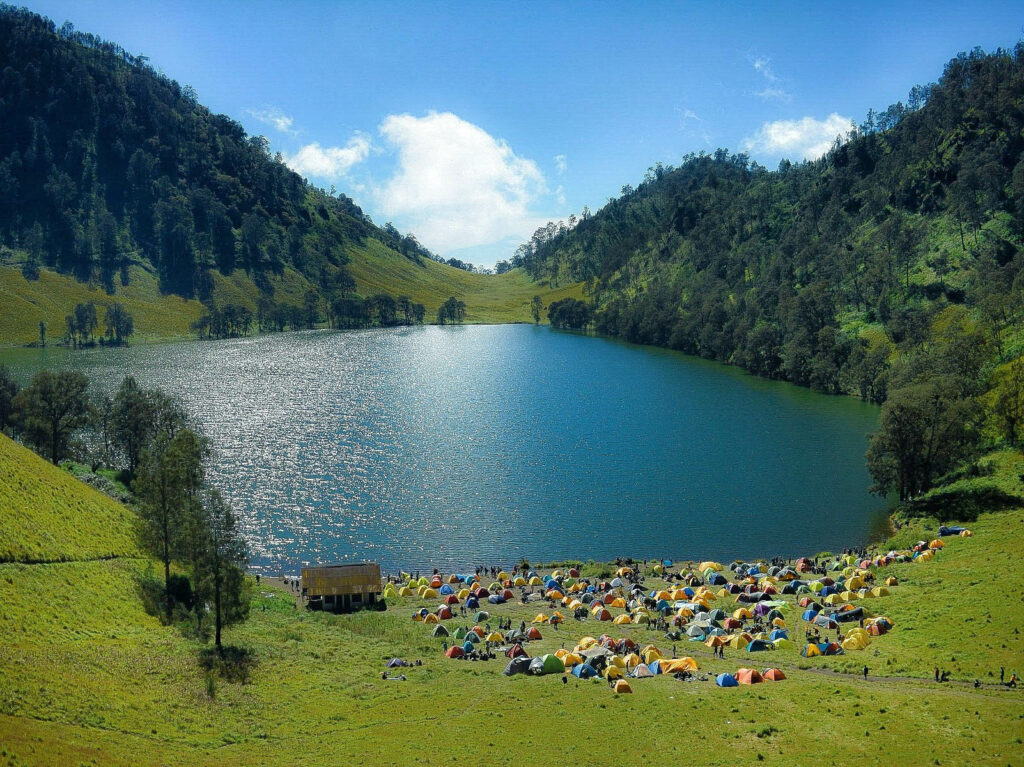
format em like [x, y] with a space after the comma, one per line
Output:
[114, 175]
[823, 273]
[46, 515]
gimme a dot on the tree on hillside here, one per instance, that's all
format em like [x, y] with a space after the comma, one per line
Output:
[1008, 408]
[925, 429]
[119, 324]
[51, 409]
[86, 321]
[8, 391]
[169, 481]
[226, 558]
[138, 415]
[536, 306]
[451, 312]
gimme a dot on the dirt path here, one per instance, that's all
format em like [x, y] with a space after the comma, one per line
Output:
[904, 679]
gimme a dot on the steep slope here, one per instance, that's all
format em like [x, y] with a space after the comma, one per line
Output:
[114, 175]
[822, 273]
[46, 515]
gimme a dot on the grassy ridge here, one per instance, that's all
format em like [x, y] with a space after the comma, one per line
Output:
[89, 676]
[53, 296]
[48, 515]
[376, 269]
[488, 298]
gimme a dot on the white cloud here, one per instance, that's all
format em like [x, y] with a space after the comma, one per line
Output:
[456, 186]
[775, 94]
[561, 164]
[330, 162]
[773, 91]
[276, 118]
[806, 138]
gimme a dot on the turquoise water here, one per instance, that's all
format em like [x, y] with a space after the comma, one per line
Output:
[457, 446]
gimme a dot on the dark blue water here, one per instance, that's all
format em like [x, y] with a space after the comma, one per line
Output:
[483, 444]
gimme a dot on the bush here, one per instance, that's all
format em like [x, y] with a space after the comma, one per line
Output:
[962, 502]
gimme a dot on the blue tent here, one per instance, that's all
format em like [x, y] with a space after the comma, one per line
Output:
[809, 615]
[472, 603]
[828, 590]
[778, 634]
[496, 599]
[655, 667]
[726, 680]
[759, 645]
[583, 671]
[717, 580]
[467, 646]
[952, 530]
[667, 562]
[446, 589]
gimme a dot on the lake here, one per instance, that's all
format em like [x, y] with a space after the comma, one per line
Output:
[455, 446]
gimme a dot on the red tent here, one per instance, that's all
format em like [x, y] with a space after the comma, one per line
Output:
[533, 633]
[455, 651]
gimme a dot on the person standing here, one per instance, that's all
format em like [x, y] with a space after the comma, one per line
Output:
[865, 673]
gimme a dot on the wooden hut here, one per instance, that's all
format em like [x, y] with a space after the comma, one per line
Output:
[342, 588]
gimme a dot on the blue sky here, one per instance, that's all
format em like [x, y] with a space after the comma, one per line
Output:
[471, 124]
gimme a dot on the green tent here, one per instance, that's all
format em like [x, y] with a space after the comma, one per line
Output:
[440, 631]
[481, 616]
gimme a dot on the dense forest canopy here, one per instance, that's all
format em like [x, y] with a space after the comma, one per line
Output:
[813, 272]
[106, 163]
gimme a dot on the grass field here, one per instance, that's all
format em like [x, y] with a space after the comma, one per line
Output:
[90, 678]
[376, 269]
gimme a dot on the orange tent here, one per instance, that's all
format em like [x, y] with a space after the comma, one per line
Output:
[533, 633]
[622, 686]
[749, 676]
[774, 675]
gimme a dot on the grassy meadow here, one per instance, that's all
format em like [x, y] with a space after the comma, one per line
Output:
[158, 316]
[90, 678]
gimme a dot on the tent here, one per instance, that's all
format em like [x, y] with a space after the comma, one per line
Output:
[496, 599]
[533, 633]
[439, 631]
[583, 671]
[641, 672]
[446, 589]
[612, 672]
[811, 651]
[726, 680]
[749, 676]
[602, 615]
[398, 662]
[778, 634]
[515, 651]
[546, 664]
[494, 636]
[455, 651]
[622, 687]
[759, 645]
[472, 603]
[773, 675]
[622, 619]
[431, 618]
[451, 599]
[444, 612]
[519, 665]
[678, 664]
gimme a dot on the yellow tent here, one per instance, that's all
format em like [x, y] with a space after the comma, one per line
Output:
[856, 642]
[541, 618]
[812, 651]
[879, 591]
[617, 660]
[723, 592]
[535, 581]
[423, 581]
[612, 672]
[622, 620]
[657, 568]
[622, 687]
[834, 599]
[742, 613]
[431, 618]
[713, 565]
[429, 593]
[678, 664]
[519, 581]
[651, 653]
[892, 581]
[405, 591]
[779, 623]
[781, 643]
[571, 659]
[503, 576]
[623, 571]
[684, 612]
[586, 643]
[388, 592]
[618, 602]
[632, 660]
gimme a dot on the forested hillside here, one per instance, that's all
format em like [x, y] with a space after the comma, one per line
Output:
[891, 264]
[114, 174]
